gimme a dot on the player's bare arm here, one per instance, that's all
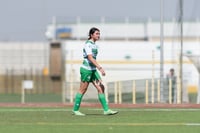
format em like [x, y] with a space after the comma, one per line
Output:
[90, 58]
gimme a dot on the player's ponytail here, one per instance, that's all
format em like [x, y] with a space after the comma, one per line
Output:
[92, 30]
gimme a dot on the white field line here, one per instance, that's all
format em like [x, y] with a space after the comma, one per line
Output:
[110, 124]
[32, 110]
[162, 110]
[192, 124]
[99, 109]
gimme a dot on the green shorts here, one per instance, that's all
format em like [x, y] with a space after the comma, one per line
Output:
[89, 75]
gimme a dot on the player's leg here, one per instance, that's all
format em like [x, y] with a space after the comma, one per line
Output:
[85, 79]
[79, 95]
[100, 88]
[173, 95]
[101, 94]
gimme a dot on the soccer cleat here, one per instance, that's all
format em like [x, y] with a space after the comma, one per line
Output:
[78, 113]
[110, 112]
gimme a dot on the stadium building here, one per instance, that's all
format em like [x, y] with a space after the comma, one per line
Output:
[129, 51]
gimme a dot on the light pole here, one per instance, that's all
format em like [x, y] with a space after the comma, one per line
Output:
[161, 53]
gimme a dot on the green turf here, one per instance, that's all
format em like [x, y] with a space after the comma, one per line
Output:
[50, 97]
[16, 98]
[31, 98]
[57, 120]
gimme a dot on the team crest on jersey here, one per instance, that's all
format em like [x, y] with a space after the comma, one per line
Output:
[88, 77]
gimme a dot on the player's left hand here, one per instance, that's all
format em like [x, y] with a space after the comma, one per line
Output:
[102, 71]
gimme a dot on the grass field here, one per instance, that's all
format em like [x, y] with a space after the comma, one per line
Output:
[39, 98]
[60, 120]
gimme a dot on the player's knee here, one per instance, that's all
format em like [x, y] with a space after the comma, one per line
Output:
[82, 90]
[102, 87]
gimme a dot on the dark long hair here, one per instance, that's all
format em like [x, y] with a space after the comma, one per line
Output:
[92, 30]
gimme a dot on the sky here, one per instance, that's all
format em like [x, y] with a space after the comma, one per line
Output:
[26, 20]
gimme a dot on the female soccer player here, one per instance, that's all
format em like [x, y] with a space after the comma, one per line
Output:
[89, 73]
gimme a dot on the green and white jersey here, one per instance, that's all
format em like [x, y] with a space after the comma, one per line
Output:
[90, 48]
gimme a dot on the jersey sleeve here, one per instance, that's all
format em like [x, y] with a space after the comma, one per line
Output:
[88, 49]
